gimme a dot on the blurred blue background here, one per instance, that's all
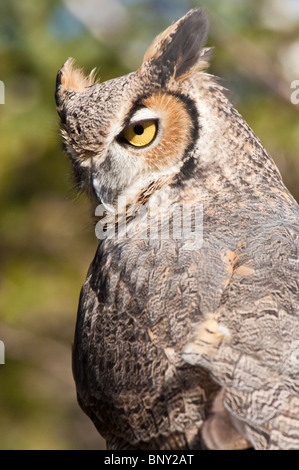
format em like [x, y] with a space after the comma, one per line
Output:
[46, 234]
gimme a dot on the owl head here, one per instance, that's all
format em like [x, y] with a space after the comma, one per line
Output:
[125, 134]
[167, 123]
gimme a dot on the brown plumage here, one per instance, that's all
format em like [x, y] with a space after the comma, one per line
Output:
[184, 340]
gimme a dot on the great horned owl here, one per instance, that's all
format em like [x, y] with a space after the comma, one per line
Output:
[190, 340]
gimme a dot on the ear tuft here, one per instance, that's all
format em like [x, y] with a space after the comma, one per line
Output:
[179, 49]
[71, 78]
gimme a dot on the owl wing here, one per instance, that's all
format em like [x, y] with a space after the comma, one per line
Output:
[250, 344]
[136, 310]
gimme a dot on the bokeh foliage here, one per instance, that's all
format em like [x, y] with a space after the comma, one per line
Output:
[46, 235]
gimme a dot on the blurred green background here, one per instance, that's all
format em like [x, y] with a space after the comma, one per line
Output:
[47, 237]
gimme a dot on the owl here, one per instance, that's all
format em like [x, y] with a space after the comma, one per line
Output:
[187, 334]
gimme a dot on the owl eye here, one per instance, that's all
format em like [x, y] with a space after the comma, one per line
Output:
[141, 133]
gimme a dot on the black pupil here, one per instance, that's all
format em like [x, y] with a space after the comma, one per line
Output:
[138, 129]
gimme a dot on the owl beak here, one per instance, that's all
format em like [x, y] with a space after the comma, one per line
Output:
[102, 198]
[108, 207]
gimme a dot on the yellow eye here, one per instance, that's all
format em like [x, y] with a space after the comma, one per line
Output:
[141, 133]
